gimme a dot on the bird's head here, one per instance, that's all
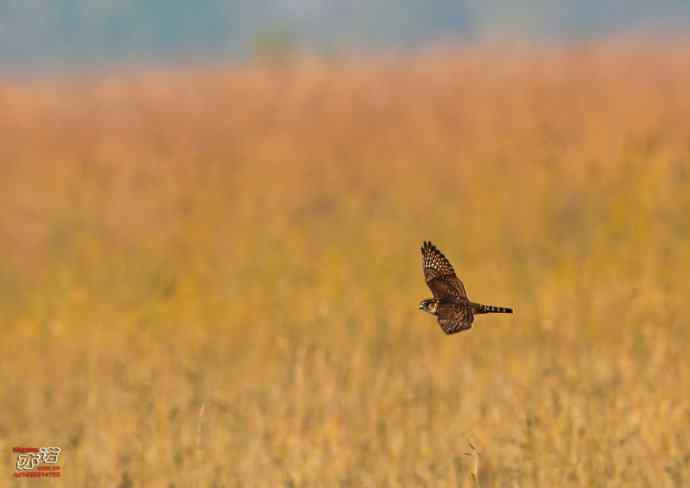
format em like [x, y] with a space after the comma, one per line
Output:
[430, 305]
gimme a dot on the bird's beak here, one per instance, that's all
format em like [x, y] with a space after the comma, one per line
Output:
[421, 307]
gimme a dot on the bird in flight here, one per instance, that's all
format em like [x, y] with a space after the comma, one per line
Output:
[453, 309]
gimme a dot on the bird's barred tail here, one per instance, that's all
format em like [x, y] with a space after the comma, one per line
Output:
[479, 308]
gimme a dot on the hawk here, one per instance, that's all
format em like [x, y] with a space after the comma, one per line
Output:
[453, 309]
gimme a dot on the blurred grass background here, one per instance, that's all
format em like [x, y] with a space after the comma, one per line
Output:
[210, 278]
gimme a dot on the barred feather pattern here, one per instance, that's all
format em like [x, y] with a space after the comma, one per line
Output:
[450, 304]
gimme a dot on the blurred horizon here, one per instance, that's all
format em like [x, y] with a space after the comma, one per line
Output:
[36, 36]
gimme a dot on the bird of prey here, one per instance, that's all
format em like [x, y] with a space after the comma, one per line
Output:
[453, 309]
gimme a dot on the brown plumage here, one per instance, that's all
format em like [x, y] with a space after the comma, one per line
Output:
[450, 304]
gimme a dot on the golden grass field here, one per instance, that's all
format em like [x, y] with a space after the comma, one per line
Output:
[210, 278]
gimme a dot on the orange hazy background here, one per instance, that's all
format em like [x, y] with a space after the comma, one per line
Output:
[211, 276]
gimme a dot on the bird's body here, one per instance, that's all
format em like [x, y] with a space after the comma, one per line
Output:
[453, 309]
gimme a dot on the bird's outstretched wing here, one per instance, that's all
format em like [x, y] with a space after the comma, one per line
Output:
[440, 275]
[455, 316]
